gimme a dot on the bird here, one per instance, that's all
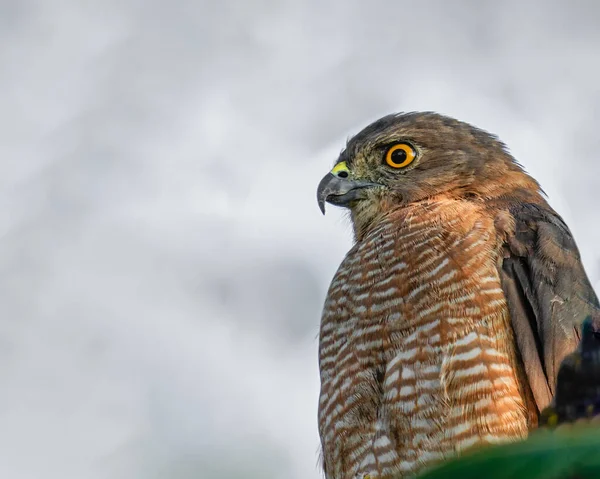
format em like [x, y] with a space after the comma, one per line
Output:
[444, 326]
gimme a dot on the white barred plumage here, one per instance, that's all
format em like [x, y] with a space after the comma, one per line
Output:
[438, 334]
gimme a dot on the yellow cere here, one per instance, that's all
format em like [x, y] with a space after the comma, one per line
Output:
[341, 166]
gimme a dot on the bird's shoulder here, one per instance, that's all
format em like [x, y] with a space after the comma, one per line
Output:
[533, 227]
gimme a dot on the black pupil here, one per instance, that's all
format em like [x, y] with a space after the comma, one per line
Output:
[343, 174]
[398, 156]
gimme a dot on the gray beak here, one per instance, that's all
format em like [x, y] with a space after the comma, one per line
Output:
[340, 191]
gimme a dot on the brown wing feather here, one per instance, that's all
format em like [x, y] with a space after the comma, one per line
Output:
[548, 292]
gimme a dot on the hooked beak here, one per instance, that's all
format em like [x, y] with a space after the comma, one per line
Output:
[338, 189]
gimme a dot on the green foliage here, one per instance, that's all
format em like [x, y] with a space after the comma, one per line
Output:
[571, 453]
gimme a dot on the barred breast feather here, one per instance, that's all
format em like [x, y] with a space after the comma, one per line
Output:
[417, 356]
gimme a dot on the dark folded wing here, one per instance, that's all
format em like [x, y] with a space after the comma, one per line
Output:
[548, 292]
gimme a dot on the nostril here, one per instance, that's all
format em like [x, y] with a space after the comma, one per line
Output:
[343, 174]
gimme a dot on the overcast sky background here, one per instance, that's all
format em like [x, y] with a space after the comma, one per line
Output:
[163, 261]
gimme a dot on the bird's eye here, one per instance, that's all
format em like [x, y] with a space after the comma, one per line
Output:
[400, 155]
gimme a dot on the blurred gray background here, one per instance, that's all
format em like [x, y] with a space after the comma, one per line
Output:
[163, 261]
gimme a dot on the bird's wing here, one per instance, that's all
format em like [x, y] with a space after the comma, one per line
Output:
[547, 290]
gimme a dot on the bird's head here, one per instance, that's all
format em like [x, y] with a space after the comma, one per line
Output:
[407, 158]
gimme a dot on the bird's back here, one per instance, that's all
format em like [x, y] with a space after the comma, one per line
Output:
[417, 355]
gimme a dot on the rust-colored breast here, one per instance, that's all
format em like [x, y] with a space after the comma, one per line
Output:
[417, 355]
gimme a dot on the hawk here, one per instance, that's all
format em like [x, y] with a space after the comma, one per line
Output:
[445, 324]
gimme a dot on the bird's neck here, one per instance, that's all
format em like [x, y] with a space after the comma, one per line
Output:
[513, 188]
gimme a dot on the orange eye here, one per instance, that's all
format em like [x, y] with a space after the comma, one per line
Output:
[400, 155]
